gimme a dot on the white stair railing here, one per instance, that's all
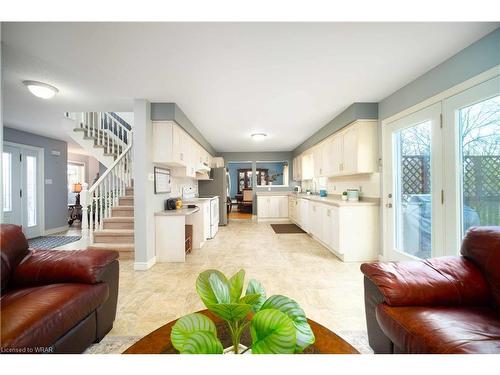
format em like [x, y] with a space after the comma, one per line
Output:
[98, 201]
[106, 131]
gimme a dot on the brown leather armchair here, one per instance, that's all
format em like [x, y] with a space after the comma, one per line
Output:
[54, 301]
[441, 305]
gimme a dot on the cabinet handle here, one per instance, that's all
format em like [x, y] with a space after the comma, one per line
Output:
[182, 156]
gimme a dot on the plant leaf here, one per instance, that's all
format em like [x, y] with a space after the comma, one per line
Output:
[189, 324]
[219, 288]
[202, 343]
[250, 299]
[231, 312]
[254, 287]
[236, 285]
[272, 333]
[204, 289]
[288, 306]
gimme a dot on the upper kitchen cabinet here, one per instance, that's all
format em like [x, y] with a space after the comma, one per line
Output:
[353, 150]
[297, 168]
[359, 148]
[175, 148]
[307, 165]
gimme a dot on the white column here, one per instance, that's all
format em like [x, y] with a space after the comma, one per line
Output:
[144, 225]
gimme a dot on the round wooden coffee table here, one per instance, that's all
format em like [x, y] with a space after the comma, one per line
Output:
[158, 342]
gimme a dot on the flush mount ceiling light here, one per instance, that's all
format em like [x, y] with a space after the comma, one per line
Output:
[40, 89]
[258, 136]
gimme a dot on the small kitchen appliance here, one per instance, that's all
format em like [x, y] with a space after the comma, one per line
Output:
[353, 195]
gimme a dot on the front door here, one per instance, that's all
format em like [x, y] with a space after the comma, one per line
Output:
[21, 188]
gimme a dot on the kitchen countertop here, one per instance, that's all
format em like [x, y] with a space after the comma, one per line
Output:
[331, 199]
[335, 200]
[184, 211]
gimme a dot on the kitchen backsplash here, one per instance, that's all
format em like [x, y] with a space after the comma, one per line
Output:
[369, 184]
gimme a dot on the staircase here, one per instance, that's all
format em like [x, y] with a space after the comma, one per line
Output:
[108, 205]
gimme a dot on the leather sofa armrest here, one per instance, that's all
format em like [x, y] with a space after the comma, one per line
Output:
[62, 266]
[437, 281]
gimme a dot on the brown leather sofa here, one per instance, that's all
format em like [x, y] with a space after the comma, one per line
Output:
[441, 305]
[54, 301]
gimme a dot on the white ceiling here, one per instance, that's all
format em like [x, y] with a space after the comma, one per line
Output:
[231, 79]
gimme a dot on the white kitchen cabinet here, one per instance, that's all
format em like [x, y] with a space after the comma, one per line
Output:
[272, 207]
[297, 168]
[349, 231]
[315, 219]
[318, 160]
[307, 166]
[175, 148]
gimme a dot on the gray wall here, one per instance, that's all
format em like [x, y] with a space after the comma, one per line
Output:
[356, 111]
[471, 61]
[172, 112]
[253, 157]
[55, 168]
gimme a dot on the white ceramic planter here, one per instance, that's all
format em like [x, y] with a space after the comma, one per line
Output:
[230, 350]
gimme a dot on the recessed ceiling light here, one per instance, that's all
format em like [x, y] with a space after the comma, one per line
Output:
[258, 136]
[40, 89]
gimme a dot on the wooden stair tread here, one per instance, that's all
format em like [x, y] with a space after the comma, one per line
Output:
[119, 219]
[112, 246]
[117, 232]
[123, 207]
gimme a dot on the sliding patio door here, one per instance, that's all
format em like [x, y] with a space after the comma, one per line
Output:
[412, 155]
[472, 160]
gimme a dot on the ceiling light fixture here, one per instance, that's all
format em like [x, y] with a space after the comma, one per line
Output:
[40, 89]
[258, 136]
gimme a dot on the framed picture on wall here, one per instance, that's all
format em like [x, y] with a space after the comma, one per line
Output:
[162, 181]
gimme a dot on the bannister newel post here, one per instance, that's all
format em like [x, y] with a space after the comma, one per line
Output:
[84, 199]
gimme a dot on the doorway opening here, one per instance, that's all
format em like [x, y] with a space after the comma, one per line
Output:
[241, 190]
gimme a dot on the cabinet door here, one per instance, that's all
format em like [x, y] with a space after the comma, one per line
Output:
[304, 214]
[327, 225]
[177, 145]
[318, 161]
[326, 158]
[283, 206]
[315, 219]
[262, 207]
[336, 149]
[350, 150]
[335, 230]
[274, 207]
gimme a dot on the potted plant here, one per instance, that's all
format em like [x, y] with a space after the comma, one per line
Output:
[277, 324]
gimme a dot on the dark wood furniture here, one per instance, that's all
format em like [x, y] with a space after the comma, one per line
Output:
[246, 202]
[158, 342]
[245, 178]
[74, 213]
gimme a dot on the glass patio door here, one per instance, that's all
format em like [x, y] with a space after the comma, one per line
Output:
[472, 175]
[412, 154]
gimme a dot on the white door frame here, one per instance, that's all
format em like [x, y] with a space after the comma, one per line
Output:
[433, 114]
[40, 182]
[453, 172]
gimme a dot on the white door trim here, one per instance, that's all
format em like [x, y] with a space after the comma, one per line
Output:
[41, 180]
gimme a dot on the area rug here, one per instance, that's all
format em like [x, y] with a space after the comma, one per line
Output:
[286, 228]
[49, 242]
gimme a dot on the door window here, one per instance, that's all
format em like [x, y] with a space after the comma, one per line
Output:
[480, 163]
[7, 181]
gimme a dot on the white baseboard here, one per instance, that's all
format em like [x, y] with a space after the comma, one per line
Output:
[143, 266]
[275, 220]
[48, 232]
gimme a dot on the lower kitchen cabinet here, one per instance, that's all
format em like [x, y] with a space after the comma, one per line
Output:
[350, 232]
[272, 207]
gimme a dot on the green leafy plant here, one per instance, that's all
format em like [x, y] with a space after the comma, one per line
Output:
[277, 324]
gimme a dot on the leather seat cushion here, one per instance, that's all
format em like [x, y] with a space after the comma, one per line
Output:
[441, 329]
[38, 316]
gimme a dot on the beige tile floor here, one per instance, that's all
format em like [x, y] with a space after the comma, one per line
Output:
[330, 291]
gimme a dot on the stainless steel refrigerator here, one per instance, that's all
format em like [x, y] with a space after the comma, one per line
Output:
[219, 185]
